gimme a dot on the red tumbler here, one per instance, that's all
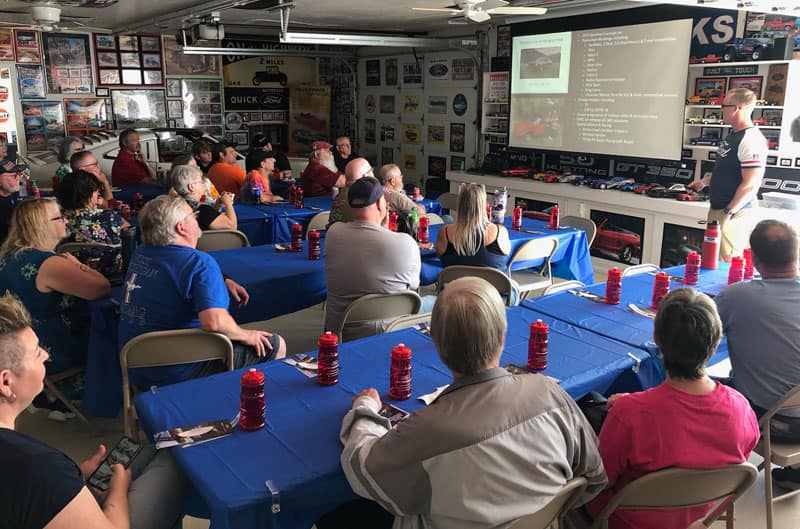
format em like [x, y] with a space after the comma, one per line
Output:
[711, 246]
[554, 217]
[298, 198]
[660, 289]
[252, 404]
[691, 272]
[613, 286]
[423, 231]
[393, 221]
[297, 237]
[400, 372]
[328, 359]
[736, 271]
[747, 255]
[313, 245]
[516, 219]
[537, 346]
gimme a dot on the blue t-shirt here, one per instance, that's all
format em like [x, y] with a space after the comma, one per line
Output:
[166, 287]
[743, 149]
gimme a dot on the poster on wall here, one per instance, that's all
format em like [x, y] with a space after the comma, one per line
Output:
[460, 104]
[369, 104]
[618, 238]
[69, 65]
[497, 89]
[458, 163]
[504, 41]
[30, 79]
[309, 116]
[26, 44]
[202, 105]
[410, 162]
[775, 91]
[438, 69]
[387, 104]
[178, 63]
[436, 134]
[139, 108]
[410, 104]
[677, 242]
[437, 166]
[43, 123]
[463, 70]
[85, 116]
[128, 60]
[373, 72]
[457, 137]
[412, 73]
[369, 131]
[390, 72]
[437, 104]
[411, 134]
[387, 155]
[8, 121]
[6, 44]
[387, 133]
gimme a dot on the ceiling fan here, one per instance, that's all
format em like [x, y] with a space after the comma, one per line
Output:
[480, 11]
[48, 18]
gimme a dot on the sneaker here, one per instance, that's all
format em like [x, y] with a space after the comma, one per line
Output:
[786, 478]
[56, 410]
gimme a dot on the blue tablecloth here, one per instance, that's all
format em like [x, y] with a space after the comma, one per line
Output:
[570, 261]
[299, 447]
[148, 192]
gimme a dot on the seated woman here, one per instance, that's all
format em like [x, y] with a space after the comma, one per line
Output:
[688, 421]
[48, 283]
[80, 196]
[187, 181]
[211, 192]
[69, 146]
[42, 486]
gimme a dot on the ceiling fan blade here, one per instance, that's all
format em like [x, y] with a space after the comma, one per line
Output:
[517, 10]
[84, 26]
[439, 9]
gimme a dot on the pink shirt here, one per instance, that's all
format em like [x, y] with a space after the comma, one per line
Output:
[665, 427]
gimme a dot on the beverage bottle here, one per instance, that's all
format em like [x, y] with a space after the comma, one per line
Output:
[298, 198]
[297, 237]
[516, 219]
[554, 217]
[293, 194]
[710, 246]
[334, 193]
[252, 403]
[328, 359]
[128, 236]
[416, 193]
[537, 346]
[256, 196]
[138, 201]
[613, 286]
[313, 245]
[736, 271]
[499, 211]
[35, 189]
[126, 212]
[23, 187]
[413, 221]
[747, 255]
[660, 289]
[54, 182]
[691, 271]
[400, 372]
[424, 232]
[393, 221]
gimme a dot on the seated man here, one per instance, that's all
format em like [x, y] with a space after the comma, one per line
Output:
[362, 257]
[688, 421]
[130, 167]
[344, 153]
[171, 285]
[10, 175]
[282, 165]
[340, 210]
[187, 181]
[226, 174]
[203, 155]
[321, 175]
[391, 178]
[762, 323]
[493, 447]
[259, 164]
[86, 161]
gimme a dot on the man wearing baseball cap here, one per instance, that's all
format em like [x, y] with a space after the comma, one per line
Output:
[362, 257]
[261, 142]
[259, 164]
[10, 175]
[321, 175]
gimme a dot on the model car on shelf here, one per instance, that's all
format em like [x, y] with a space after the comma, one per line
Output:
[641, 189]
[747, 49]
[553, 177]
[519, 172]
[773, 144]
[694, 119]
[696, 100]
[583, 181]
[618, 181]
[673, 191]
[763, 121]
[715, 100]
[630, 187]
[705, 140]
[712, 119]
[692, 196]
[778, 24]
[611, 239]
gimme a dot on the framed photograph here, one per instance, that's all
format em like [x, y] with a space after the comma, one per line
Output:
[710, 86]
[102, 92]
[105, 42]
[153, 77]
[150, 43]
[107, 59]
[31, 81]
[131, 77]
[26, 45]
[175, 109]
[711, 131]
[43, 122]
[129, 60]
[266, 116]
[69, 63]
[177, 63]
[128, 43]
[85, 116]
[239, 138]
[6, 44]
[151, 60]
[173, 88]
[139, 108]
[753, 83]
[109, 77]
[712, 155]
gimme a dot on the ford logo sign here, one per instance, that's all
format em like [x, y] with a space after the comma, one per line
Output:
[438, 70]
[272, 99]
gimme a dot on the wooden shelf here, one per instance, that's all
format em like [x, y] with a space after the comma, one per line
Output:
[740, 63]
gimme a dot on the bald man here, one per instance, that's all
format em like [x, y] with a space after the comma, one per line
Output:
[355, 169]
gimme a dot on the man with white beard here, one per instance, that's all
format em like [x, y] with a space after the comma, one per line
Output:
[321, 175]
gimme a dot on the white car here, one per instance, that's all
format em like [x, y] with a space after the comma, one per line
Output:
[158, 146]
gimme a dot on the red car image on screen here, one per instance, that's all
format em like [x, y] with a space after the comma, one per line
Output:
[619, 242]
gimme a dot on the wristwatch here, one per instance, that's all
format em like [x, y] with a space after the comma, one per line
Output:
[728, 212]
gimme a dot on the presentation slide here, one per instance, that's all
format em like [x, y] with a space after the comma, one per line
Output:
[618, 90]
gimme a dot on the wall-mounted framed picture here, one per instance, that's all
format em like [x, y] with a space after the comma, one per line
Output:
[175, 109]
[105, 42]
[136, 59]
[69, 63]
[102, 92]
[6, 44]
[710, 86]
[30, 78]
[26, 44]
[753, 83]
[85, 116]
[43, 122]
[139, 108]
[178, 63]
[173, 88]
[128, 42]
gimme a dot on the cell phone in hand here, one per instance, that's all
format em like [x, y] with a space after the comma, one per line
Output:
[124, 453]
[393, 413]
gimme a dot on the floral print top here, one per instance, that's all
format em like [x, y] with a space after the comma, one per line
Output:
[97, 225]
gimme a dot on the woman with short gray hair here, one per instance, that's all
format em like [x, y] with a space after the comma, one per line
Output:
[187, 181]
[68, 147]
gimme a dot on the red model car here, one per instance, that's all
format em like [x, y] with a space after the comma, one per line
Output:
[772, 144]
[709, 58]
[624, 244]
[516, 172]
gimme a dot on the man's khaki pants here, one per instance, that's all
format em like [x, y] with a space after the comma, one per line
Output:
[734, 231]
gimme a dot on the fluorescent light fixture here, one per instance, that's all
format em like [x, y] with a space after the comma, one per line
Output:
[339, 39]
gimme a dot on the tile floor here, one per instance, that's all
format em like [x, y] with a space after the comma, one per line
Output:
[301, 330]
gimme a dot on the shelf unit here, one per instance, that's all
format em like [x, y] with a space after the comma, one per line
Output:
[495, 107]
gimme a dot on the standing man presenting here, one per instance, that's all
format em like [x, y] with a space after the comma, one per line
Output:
[130, 168]
[737, 173]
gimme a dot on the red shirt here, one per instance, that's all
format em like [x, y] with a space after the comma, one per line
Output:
[666, 427]
[318, 180]
[126, 171]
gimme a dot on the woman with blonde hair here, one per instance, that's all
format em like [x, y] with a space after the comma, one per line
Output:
[48, 283]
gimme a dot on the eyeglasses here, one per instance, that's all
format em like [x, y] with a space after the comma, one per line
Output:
[89, 164]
